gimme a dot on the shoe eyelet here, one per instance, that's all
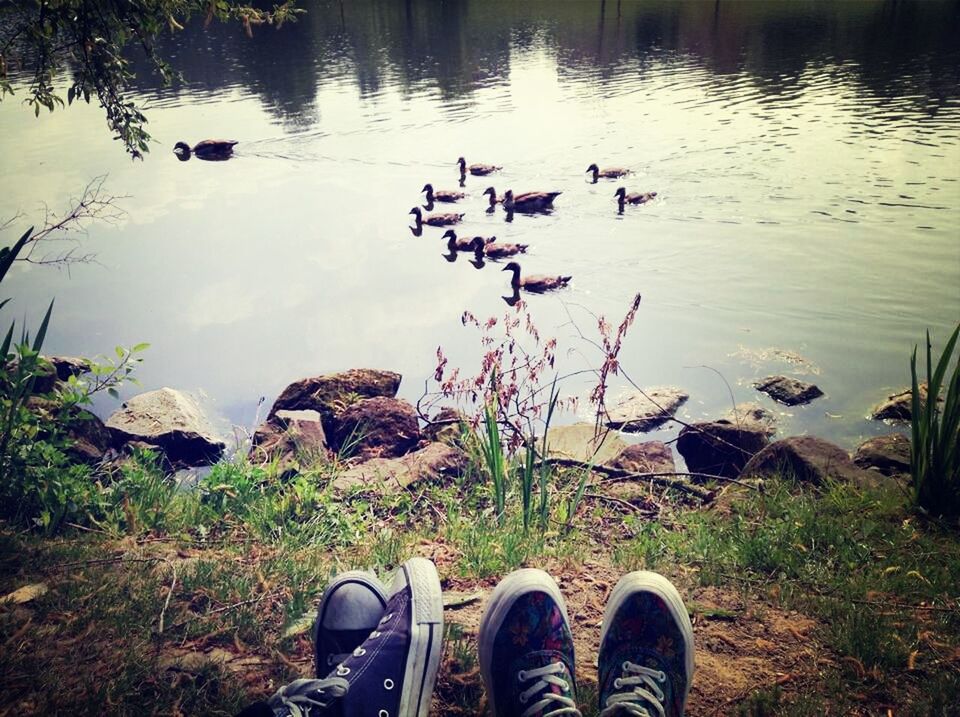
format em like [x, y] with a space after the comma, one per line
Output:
[617, 684]
[359, 652]
[523, 698]
[662, 676]
[521, 676]
[383, 713]
[386, 618]
[388, 684]
[626, 665]
[343, 671]
[376, 633]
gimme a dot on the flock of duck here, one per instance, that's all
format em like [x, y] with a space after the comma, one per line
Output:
[481, 247]
[525, 203]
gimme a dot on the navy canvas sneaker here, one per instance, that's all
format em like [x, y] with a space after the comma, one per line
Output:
[646, 649]
[349, 611]
[390, 674]
[526, 648]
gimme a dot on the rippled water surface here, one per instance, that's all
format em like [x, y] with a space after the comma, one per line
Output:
[805, 155]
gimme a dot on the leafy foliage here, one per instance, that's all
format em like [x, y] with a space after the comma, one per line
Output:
[935, 433]
[92, 37]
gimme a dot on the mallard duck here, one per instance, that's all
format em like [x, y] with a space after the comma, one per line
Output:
[636, 198]
[477, 170]
[608, 173]
[529, 201]
[536, 284]
[213, 149]
[441, 195]
[496, 250]
[455, 244]
[435, 220]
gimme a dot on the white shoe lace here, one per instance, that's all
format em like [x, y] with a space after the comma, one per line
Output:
[644, 683]
[301, 696]
[547, 676]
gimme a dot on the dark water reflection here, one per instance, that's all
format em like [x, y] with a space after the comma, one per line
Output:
[805, 156]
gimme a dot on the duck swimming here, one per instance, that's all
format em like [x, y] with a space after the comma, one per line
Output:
[441, 195]
[477, 170]
[608, 173]
[529, 201]
[435, 220]
[495, 250]
[636, 198]
[455, 244]
[536, 284]
[494, 199]
[209, 149]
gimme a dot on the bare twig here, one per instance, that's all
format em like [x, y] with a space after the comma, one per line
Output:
[166, 603]
[662, 479]
[619, 501]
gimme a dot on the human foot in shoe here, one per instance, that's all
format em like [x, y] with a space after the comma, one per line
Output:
[646, 649]
[526, 648]
[392, 673]
[349, 611]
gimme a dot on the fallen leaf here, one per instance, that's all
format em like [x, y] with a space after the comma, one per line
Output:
[301, 624]
[25, 594]
[912, 660]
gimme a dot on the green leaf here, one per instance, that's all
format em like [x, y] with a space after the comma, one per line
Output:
[42, 333]
[136, 349]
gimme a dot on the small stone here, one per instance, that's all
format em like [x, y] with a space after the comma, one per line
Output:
[752, 415]
[446, 426]
[898, 406]
[807, 459]
[889, 455]
[435, 460]
[638, 412]
[289, 438]
[788, 391]
[580, 442]
[649, 457]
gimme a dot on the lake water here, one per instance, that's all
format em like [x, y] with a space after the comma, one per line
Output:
[805, 154]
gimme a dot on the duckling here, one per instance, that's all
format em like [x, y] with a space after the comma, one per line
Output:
[455, 244]
[536, 284]
[441, 195]
[529, 201]
[210, 149]
[494, 250]
[608, 173]
[477, 170]
[494, 199]
[636, 198]
[435, 220]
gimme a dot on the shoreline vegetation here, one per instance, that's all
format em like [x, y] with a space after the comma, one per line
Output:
[816, 586]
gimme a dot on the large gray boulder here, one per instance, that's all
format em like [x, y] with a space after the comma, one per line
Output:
[377, 428]
[173, 422]
[890, 455]
[446, 426]
[331, 393]
[636, 412]
[294, 439]
[435, 460]
[720, 447]
[752, 415]
[807, 459]
[788, 391]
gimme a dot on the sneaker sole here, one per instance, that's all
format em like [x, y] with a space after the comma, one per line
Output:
[351, 576]
[645, 581]
[512, 587]
[426, 637]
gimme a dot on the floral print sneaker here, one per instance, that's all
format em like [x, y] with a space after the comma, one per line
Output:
[349, 611]
[526, 649]
[646, 649]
